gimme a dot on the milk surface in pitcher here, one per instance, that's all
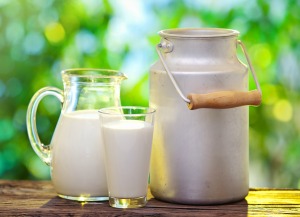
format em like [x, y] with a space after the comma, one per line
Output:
[78, 155]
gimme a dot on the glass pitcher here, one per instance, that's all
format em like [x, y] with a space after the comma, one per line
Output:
[75, 153]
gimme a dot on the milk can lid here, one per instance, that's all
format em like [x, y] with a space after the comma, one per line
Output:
[198, 33]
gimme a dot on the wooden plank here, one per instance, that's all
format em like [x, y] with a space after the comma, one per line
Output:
[38, 198]
[273, 202]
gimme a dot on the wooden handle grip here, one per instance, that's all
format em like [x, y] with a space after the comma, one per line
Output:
[224, 99]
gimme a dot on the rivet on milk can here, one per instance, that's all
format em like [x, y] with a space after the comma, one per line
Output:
[199, 88]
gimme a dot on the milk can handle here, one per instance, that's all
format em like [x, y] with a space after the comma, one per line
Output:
[43, 151]
[221, 99]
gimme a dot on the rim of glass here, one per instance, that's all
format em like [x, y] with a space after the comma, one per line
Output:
[198, 32]
[110, 110]
[93, 72]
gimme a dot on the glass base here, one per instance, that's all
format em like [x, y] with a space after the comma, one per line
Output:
[84, 198]
[127, 202]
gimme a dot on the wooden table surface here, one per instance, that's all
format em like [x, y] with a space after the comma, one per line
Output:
[38, 198]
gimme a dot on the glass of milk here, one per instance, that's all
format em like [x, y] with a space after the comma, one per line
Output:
[127, 136]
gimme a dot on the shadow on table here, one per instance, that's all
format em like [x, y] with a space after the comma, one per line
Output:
[239, 209]
[57, 202]
[154, 206]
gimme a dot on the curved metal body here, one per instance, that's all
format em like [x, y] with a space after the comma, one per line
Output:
[199, 156]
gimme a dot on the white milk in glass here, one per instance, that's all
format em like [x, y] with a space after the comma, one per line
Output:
[128, 148]
[77, 163]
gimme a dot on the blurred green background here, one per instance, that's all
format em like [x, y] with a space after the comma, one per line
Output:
[39, 38]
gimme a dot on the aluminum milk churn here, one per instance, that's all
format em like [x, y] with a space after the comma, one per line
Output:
[200, 90]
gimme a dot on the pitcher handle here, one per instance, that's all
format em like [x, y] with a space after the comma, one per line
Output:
[43, 151]
[221, 99]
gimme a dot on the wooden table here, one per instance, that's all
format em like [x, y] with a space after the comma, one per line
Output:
[38, 198]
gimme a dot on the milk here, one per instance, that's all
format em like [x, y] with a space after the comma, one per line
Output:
[127, 147]
[78, 156]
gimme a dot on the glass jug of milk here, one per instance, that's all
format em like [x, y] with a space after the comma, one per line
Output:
[75, 153]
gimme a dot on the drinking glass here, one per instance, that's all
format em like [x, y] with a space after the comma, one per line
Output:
[127, 136]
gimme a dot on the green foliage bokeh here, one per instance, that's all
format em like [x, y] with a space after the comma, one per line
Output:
[40, 38]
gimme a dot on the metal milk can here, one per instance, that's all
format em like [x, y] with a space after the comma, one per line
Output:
[200, 144]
